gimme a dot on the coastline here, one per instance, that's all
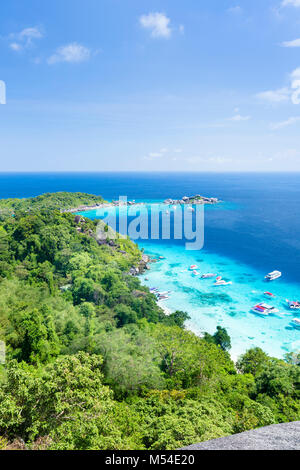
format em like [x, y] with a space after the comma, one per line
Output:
[229, 307]
[234, 355]
[186, 200]
[166, 310]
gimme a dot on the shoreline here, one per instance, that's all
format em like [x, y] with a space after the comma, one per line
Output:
[230, 308]
[245, 329]
[196, 200]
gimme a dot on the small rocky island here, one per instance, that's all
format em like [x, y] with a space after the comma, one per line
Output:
[193, 200]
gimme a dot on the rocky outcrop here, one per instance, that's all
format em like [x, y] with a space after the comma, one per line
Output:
[141, 267]
[192, 200]
[138, 294]
[276, 437]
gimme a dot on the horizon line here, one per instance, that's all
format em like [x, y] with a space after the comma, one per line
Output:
[39, 172]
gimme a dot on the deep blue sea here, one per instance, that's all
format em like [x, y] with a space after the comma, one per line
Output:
[254, 231]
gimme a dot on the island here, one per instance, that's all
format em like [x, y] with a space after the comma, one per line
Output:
[185, 200]
[90, 361]
[192, 200]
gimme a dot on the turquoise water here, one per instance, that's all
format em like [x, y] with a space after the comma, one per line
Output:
[228, 306]
[255, 231]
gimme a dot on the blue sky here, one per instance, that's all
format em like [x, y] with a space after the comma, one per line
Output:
[150, 85]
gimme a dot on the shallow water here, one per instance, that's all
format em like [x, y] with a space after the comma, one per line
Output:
[256, 230]
[228, 306]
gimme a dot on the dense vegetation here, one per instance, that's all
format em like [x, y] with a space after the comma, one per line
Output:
[61, 200]
[93, 363]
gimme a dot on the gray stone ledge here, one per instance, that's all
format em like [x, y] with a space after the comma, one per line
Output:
[276, 437]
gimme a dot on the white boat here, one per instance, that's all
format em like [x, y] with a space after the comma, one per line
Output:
[269, 294]
[208, 276]
[296, 323]
[221, 282]
[294, 305]
[195, 273]
[193, 267]
[264, 309]
[273, 275]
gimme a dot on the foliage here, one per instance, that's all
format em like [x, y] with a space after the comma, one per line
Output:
[253, 361]
[220, 338]
[94, 363]
[60, 201]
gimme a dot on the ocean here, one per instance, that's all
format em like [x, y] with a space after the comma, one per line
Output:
[255, 230]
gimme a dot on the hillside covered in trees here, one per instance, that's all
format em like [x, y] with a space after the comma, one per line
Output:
[92, 362]
[59, 201]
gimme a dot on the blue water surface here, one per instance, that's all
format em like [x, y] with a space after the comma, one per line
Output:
[255, 230]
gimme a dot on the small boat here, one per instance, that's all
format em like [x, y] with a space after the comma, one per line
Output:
[162, 257]
[195, 273]
[221, 282]
[296, 323]
[193, 267]
[219, 278]
[269, 294]
[294, 305]
[273, 275]
[208, 276]
[260, 311]
[264, 309]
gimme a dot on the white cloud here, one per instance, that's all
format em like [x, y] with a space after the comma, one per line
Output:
[15, 46]
[295, 85]
[163, 152]
[282, 124]
[235, 10]
[291, 93]
[294, 43]
[155, 154]
[31, 33]
[25, 38]
[181, 29]
[238, 118]
[293, 3]
[295, 74]
[158, 24]
[275, 96]
[220, 160]
[71, 53]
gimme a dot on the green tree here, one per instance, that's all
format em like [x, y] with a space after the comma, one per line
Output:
[220, 338]
[36, 341]
[253, 361]
[68, 402]
[177, 318]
